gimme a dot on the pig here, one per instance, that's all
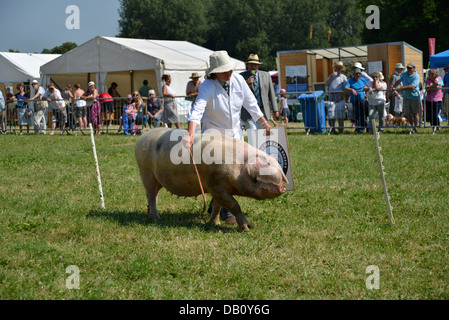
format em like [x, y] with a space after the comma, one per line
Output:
[257, 175]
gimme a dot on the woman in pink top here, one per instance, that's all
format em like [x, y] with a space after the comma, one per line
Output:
[434, 97]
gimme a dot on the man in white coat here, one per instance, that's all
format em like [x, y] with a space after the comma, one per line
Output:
[219, 103]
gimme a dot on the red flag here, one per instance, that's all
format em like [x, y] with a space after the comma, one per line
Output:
[431, 46]
[329, 34]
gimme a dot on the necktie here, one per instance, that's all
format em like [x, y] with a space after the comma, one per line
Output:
[226, 87]
[257, 89]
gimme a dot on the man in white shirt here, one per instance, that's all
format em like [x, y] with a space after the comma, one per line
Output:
[40, 108]
[58, 112]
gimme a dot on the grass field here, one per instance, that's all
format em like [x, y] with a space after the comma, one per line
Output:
[313, 243]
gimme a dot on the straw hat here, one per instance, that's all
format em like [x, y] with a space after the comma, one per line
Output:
[220, 61]
[253, 58]
[195, 75]
[381, 76]
[339, 63]
[399, 66]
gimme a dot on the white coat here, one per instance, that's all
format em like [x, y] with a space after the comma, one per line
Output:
[215, 109]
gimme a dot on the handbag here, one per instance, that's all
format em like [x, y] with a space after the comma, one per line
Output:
[28, 113]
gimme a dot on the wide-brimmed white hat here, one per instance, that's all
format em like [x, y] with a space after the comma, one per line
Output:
[220, 61]
[359, 66]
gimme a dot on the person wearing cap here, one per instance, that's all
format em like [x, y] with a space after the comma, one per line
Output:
[376, 100]
[336, 82]
[410, 94]
[261, 85]
[58, 112]
[399, 68]
[154, 109]
[356, 86]
[40, 108]
[219, 103]
[193, 86]
[93, 107]
[369, 80]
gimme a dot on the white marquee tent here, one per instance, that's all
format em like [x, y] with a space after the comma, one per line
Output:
[21, 67]
[129, 62]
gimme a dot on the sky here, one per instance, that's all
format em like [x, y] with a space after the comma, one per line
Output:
[34, 25]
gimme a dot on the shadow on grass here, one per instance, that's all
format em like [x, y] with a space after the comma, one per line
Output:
[188, 220]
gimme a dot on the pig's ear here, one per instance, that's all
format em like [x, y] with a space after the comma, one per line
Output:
[259, 164]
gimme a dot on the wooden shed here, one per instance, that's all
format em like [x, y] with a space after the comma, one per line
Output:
[318, 62]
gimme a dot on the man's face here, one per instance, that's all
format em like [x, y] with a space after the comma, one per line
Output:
[410, 71]
[252, 66]
[338, 69]
[224, 76]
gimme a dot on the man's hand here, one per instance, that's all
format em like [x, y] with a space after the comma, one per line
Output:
[187, 141]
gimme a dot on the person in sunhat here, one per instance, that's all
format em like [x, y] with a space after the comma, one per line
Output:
[261, 85]
[220, 100]
[337, 82]
[399, 68]
[193, 87]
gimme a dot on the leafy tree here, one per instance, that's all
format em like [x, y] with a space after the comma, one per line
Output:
[14, 51]
[412, 21]
[165, 19]
[65, 47]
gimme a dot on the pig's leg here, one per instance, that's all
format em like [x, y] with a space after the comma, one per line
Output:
[228, 201]
[152, 187]
[215, 217]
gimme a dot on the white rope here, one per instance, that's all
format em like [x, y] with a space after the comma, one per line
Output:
[96, 165]
[382, 173]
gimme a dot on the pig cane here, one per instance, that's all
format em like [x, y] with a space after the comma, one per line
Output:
[96, 164]
[199, 180]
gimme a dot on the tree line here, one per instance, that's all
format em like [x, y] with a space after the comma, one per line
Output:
[268, 26]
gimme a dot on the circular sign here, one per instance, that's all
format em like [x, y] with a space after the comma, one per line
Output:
[276, 151]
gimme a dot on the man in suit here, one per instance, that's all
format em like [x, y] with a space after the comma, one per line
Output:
[261, 85]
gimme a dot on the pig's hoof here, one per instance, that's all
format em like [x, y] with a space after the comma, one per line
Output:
[246, 227]
[154, 216]
[231, 220]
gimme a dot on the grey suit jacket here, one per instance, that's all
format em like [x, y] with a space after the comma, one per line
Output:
[267, 94]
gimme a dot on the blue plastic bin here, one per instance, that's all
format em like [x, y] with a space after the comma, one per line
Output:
[313, 111]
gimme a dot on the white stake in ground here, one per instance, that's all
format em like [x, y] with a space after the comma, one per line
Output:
[96, 165]
[382, 173]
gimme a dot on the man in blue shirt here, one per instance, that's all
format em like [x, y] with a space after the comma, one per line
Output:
[356, 86]
[410, 94]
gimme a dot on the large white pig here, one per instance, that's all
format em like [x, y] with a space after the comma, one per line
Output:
[240, 170]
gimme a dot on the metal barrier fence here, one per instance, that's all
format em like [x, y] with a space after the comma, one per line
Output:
[112, 116]
[433, 114]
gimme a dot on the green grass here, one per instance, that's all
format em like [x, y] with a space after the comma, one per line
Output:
[313, 243]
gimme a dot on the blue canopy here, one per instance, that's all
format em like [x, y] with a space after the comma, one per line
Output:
[439, 60]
